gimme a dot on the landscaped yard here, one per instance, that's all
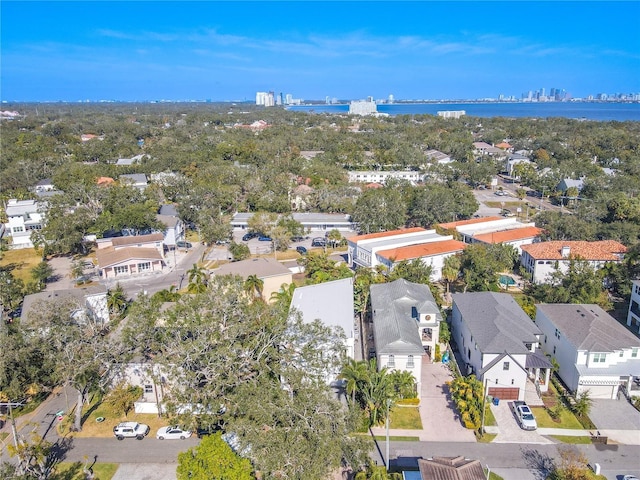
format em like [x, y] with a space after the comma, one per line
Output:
[566, 420]
[74, 471]
[21, 262]
[92, 428]
[405, 418]
[582, 440]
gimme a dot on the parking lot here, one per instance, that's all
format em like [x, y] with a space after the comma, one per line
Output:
[314, 240]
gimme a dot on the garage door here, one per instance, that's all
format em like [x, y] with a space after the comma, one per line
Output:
[600, 391]
[504, 393]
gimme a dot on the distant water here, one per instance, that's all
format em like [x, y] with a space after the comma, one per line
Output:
[576, 110]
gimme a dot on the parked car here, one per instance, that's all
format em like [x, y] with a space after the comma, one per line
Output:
[248, 236]
[301, 250]
[507, 213]
[182, 244]
[500, 193]
[297, 239]
[130, 430]
[524, 415]
[172, 433]
[319, 242]
[264, 238]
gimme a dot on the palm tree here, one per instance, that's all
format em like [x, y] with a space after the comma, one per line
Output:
[354, 373]
[116, 300]
[404, 384]
[197, 279]
[451, 270]
[583, 404]
[253, 285]
[285, 295]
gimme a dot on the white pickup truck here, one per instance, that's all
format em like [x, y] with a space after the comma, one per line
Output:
[524, 415]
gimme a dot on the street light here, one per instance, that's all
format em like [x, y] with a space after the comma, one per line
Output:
[387, 425]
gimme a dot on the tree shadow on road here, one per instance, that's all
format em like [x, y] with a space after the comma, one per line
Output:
[540, 463]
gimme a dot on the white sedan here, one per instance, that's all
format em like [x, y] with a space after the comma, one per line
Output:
[172, 433]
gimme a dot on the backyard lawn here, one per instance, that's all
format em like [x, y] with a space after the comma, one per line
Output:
[405, 418]
[21, 262]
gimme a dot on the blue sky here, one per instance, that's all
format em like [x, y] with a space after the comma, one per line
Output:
[161, 50]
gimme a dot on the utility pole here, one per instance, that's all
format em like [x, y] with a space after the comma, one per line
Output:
[387, 425]
[484, 400]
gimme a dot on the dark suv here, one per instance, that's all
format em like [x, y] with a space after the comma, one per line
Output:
[248, 236]
[319, 242]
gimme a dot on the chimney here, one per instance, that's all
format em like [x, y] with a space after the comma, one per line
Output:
[566, 250]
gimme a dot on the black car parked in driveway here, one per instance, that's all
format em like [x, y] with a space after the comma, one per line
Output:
[248, 236]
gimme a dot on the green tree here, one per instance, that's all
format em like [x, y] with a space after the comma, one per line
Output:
[197, 279]
[40, 273]
[239, 251]
[404, 384]
[415, 271]
[451, 270]
[355, 373]
[117, 300]
[253, 286]
[284, 296]
[583, 403]
[35, 457]
[467, 393]
[213, 459]
[123, 396]
[380, 209]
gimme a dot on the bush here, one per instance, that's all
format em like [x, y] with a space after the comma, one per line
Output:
[408, 401]
[437, 356]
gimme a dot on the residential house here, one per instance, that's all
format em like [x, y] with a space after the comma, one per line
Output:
[153, 381]
[633, 317]
[125, 261]
[136, 180]
[174, 230]
[362, 250]
[595, 352]
[332, 304]
[450, 468]
[406, 325]
[499, 343]
[89, 303]
[567, 183]
[24, 217]
[512, 160]
[544, 258]
[381, 176]
[436, 156]
[310, 221]
[44, 185]
[131, 161]
[272, 273]
[495, 230]
[151, 240]
[432, 254]
[482, 149]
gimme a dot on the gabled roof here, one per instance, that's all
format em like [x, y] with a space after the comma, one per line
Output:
[169, 221]
[135, 178]
[588, 327]
[496, 321]
[450, 468]
[137, 239]
[73, 295]
[511, 235]
[422, 250]
[394, 323]
[110, 256]
[260, 267]
[604, 250]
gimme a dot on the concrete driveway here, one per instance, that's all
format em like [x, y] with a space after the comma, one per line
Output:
[614, 415]
[509, 430]
[146, 471]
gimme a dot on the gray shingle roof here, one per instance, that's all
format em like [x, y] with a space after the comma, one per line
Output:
[589, 327]
[496, 321]
[394, 325]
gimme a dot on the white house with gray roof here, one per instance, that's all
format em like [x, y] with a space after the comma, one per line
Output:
[499, 343]
[593, 350]
[406, 325]
[633, 315]
[332, 304]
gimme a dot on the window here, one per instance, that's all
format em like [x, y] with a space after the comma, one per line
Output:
[554, 349]
[148, 389]
[392, 362]
[410, 361]
[18, 229]
[512, 381]
[557, 334]
[634, 352]
[599, 357]
[119, 270]
[144, 266]
[505, 366]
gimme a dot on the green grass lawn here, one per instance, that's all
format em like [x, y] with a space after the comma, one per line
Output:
[566, 420]
[571, 439]
[405, 418]
[73, 471]
[383, 438]
[489, 419]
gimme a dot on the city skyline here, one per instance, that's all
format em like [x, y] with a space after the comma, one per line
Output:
[228, 51]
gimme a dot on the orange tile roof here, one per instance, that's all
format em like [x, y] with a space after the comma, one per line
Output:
[602, 250]
[422, 250]
[390, 233]
[503, 145]
[471, 221]
[509, 235]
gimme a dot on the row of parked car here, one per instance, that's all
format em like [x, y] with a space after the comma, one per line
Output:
[140, 430]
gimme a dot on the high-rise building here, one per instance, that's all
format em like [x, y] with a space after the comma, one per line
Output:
[266, 99]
